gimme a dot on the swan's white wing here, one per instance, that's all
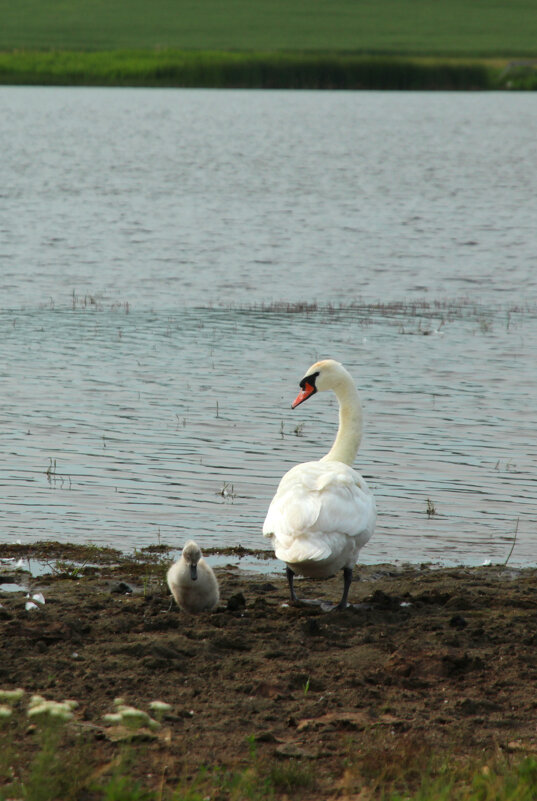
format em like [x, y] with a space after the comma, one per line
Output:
[321, 511]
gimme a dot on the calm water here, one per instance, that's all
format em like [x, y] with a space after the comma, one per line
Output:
[146, 238]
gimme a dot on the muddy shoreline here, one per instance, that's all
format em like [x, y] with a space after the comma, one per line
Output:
[424, 661]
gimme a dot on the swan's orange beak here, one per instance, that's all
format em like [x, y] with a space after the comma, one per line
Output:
[303, 395]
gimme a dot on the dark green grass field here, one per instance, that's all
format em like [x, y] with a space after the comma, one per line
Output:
[410, 27]
[269, 43]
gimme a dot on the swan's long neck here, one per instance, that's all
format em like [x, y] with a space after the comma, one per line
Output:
[349, 434]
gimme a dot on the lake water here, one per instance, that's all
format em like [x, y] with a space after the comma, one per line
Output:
[156, 249]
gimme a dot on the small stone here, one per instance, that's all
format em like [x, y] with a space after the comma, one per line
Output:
[266, 587]
[121, 588]
[295, 751]
[311, 627]
[236, 602]
[265, 737]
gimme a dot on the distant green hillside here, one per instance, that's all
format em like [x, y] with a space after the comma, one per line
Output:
[405, 27]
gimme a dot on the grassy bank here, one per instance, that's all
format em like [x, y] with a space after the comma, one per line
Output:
[259, 70]
[65, 763]
[67, 760]
[345, 44]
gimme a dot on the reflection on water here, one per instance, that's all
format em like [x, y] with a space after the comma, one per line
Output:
[129, 428]
[147, 369]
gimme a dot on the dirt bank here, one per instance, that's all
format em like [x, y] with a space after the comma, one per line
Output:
[425, 660]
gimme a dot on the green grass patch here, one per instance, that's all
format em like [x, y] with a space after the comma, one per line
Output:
[420, 27]
[259, 70]
[501, 782]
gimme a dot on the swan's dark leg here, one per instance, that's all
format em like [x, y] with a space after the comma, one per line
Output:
[290, 578]
[347, 580]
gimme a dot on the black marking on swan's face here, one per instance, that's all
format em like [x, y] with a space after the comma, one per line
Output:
[309, 379]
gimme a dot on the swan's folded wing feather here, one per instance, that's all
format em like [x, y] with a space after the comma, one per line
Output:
[348, 508]
[317, 507]
[302, 550]
[293, 509]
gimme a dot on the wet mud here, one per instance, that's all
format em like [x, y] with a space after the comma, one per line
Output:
[443, 659]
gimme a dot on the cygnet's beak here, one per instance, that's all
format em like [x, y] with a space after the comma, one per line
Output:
[307, 390]
[194, 572]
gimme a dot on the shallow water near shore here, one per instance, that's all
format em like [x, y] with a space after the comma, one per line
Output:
[168, 447]
[168, 278]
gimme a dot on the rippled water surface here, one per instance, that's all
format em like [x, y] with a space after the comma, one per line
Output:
[157, 249]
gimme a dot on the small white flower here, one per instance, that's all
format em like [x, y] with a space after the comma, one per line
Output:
[36, 700]
[133, 717]
[11, 696]
[29, 606]
[51, 709]
[39, 597]
[160, 706]
[62, 712]
[113, 718]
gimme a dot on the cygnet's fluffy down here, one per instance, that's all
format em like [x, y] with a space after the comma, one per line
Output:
[192, 581]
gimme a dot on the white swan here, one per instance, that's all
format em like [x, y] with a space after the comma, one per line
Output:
[192, 581]
[323, 512]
